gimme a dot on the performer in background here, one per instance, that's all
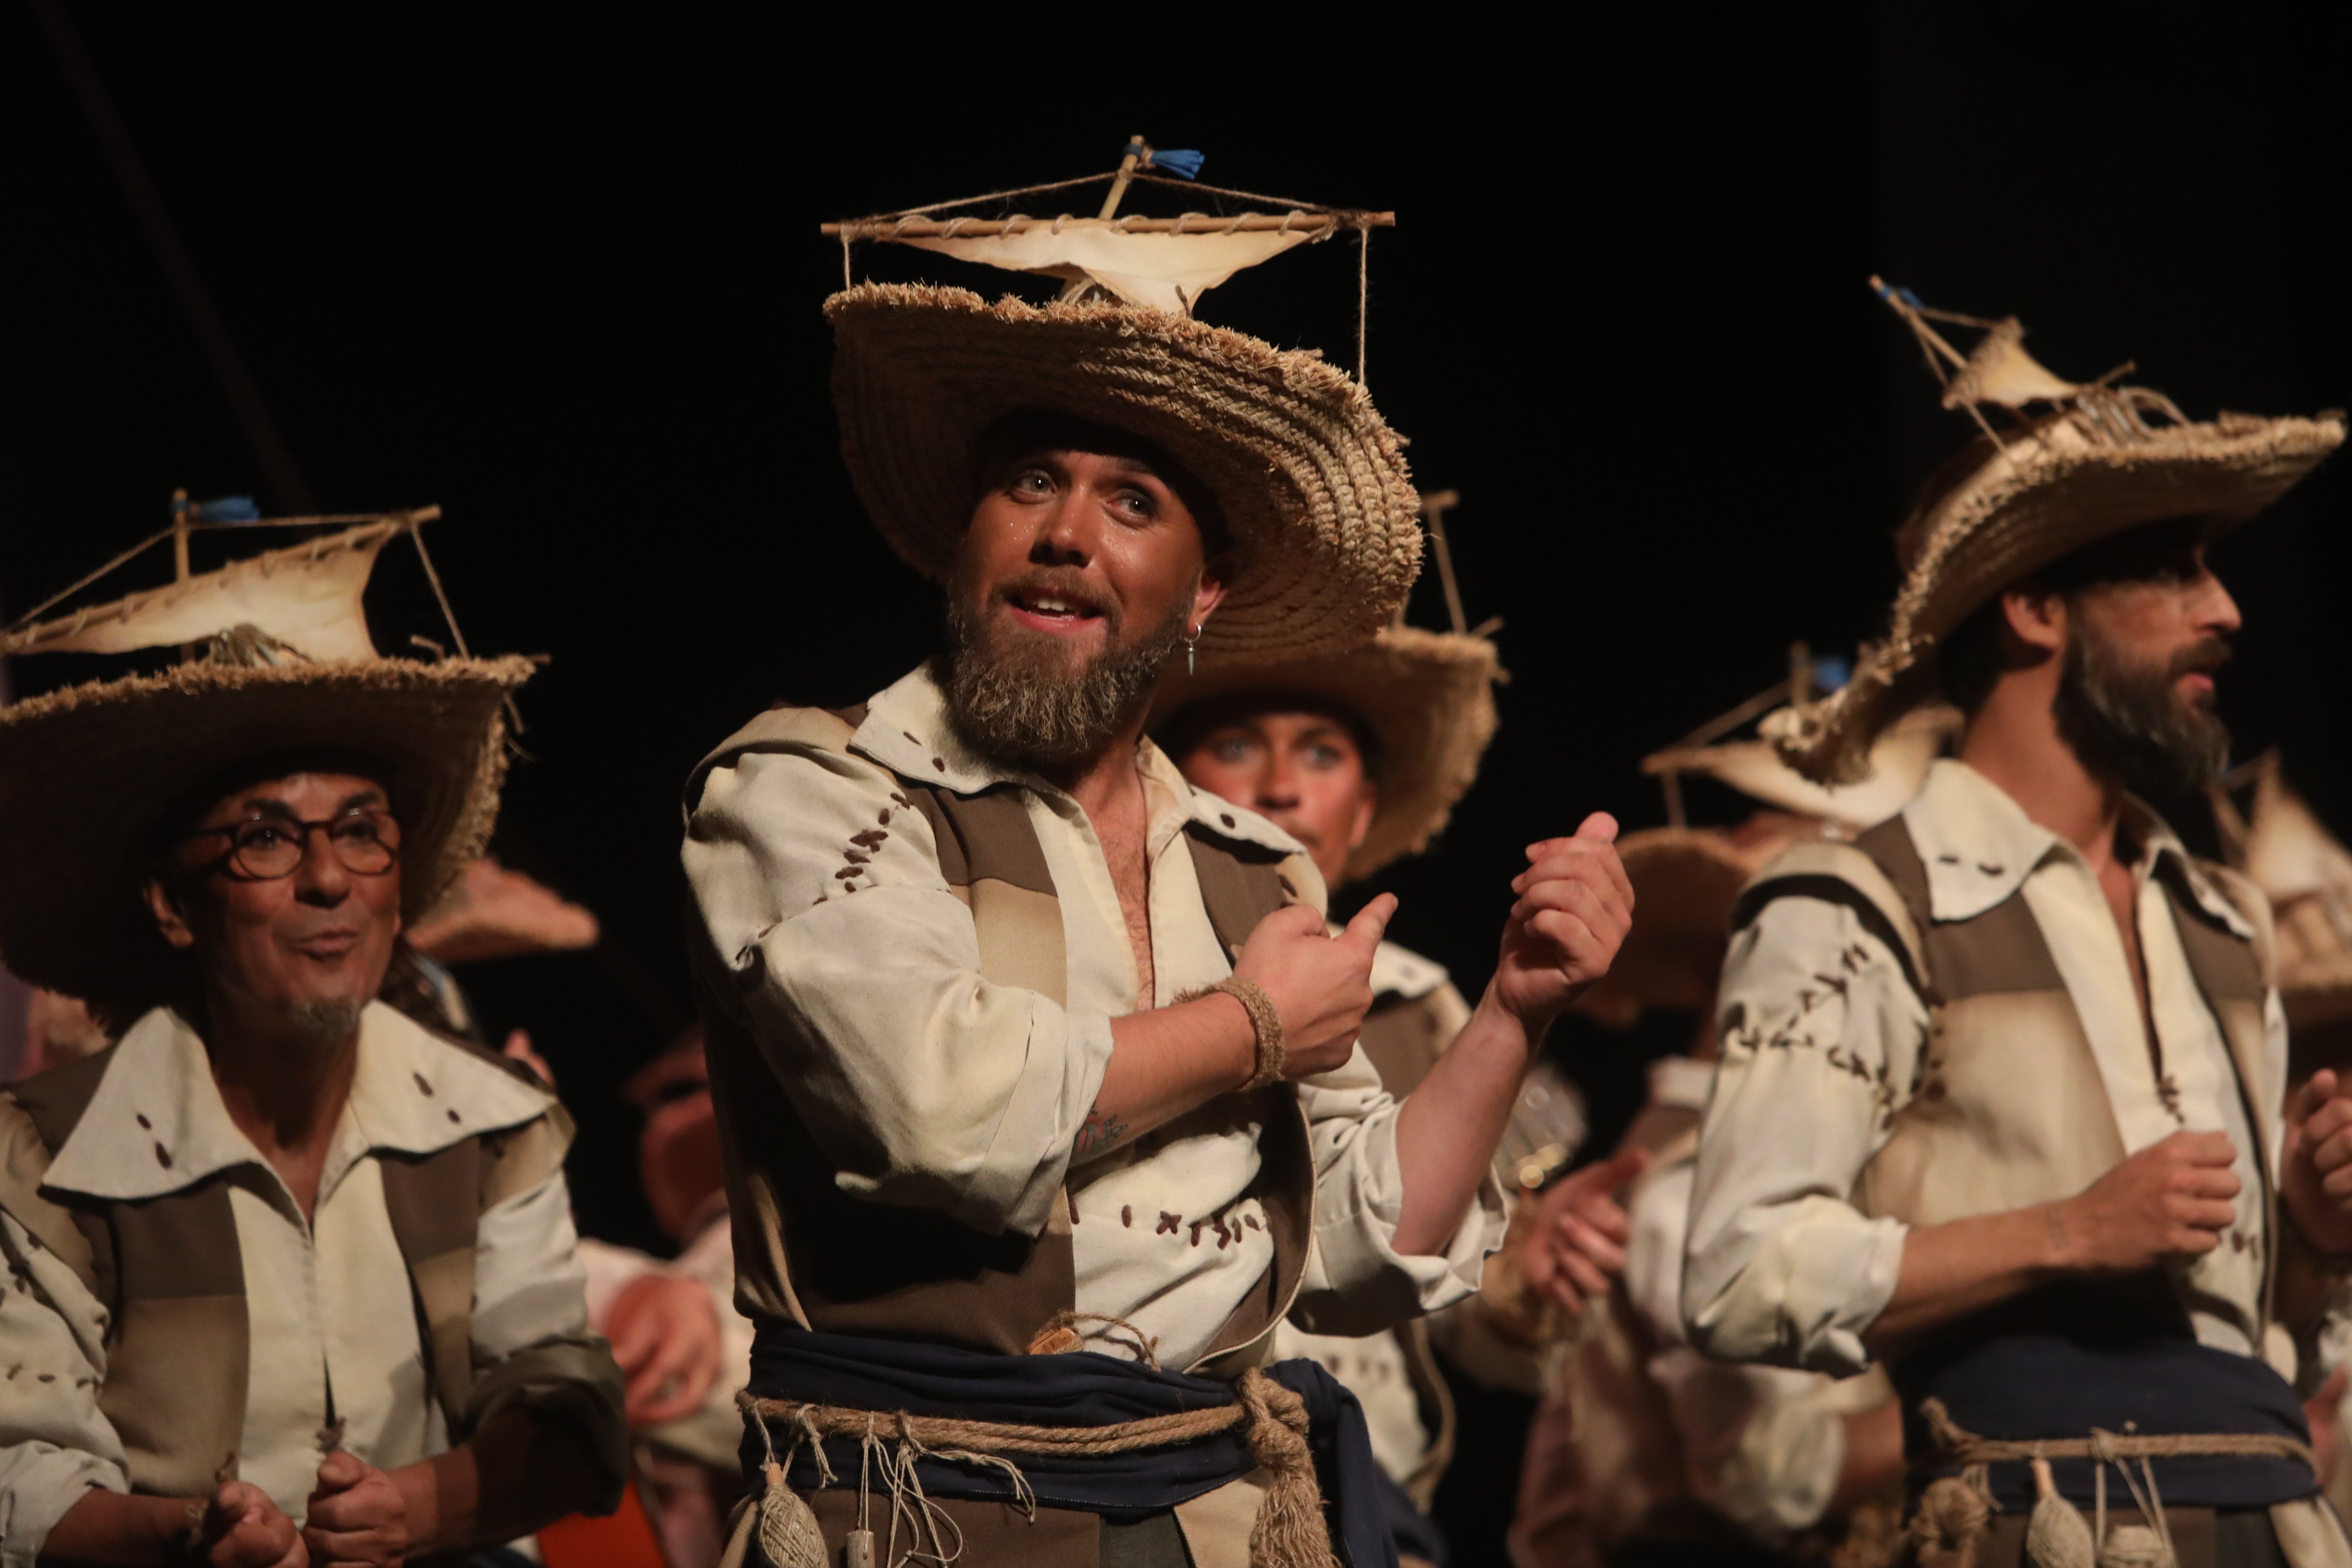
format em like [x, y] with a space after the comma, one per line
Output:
[1021, 1045]
[1362, 756]
[291, 1275]
[2003, 1082]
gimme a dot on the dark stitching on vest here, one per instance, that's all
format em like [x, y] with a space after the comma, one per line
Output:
[453, 1116]
[940, 765]
[1251, 1220]
[422, 1086]
[883, 816]
[870, 839]
[1990, 870]
[144, 1125]
[162, 1154]
[902, 800]
[14, 1370]
[1226, 817]
[909, 734]
[49, 1377]
[1948, 859]
[856, 857]
[1197, 1226]
[847, 873]
[1169, 1224]
[1126, 1213]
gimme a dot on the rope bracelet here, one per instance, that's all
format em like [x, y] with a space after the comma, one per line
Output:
[1265, 1023]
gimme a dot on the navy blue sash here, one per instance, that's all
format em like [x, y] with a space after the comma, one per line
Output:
[1080, 1389]
[2018, 1387]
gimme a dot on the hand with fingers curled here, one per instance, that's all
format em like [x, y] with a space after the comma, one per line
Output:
[665, 1335]
[1577, 1245]
[2317, 1181]
[2171, 1201]
[241, 1528]
[1320, 984]
[358, 1517]
[1574, 906]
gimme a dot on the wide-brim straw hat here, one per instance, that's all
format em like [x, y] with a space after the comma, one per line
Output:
[1685, 881]
[1314, 486]
[1426, 698]
[88, 773]
[2000, 512]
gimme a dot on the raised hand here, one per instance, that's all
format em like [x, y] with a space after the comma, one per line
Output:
[243, 1529]
[1321, 984]
[1575, 906]
[358, 1518]
[2171, 1200]
[666, 1336]
[2317, 1181]
[1577, 1245]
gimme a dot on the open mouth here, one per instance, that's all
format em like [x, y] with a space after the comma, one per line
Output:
[1054, 611]
[326, 946]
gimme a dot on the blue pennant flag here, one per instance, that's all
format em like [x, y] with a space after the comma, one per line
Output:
[228, 508]
[1831, 673]
[1182, 162]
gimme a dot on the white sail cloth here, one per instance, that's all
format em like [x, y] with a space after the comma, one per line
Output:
[1166, 271]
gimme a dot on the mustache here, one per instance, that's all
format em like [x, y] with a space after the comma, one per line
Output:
[2204, 657]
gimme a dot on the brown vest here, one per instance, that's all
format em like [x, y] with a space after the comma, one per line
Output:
[169, 1272]
[848, 1265]
[2008, 1107]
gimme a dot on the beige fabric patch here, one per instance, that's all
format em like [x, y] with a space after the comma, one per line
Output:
[1216, 1524]
[181, 1415]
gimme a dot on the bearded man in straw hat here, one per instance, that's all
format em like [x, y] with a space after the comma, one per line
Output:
[292, 1277]
[2002, 1090]
[1023, 1046]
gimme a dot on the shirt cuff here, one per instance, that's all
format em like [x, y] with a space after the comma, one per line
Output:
[1370, 1286]
[1021, 1176]
[39, 1484]
[1820, 1279]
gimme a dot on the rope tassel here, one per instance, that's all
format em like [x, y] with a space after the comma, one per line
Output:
[1289, 1532]
[2057, 1535]
[789, 1536]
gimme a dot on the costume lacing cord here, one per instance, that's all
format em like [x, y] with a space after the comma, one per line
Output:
[1954, 1509]
[1288, 1532]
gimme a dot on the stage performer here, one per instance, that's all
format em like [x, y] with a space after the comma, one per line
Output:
[1023, 1046]
[2002, 1094]
[1362, 757]
[290, 1273]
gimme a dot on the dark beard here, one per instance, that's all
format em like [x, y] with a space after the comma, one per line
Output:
[321, 1024]
[1014, 699]
[2123, 722]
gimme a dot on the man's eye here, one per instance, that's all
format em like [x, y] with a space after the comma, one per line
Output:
[1032, 483]
[1323, 756]
[1231, 750]
[358, 830]
[1135, 504]
[257, 836]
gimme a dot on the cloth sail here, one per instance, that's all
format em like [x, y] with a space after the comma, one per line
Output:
[1163, 270]
[306, 595]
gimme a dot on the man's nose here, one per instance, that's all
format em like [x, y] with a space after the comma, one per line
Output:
[321, 879]
[1066, 537]
[1278, 782]
[2216, 611]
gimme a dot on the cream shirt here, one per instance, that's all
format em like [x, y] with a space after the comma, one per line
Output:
[1780, 1267]
[332, 1320]
[928, 1085]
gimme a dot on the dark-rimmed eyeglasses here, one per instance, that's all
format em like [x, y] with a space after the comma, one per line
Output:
[366, 843]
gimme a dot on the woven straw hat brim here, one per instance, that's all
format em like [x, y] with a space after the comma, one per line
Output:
[87, 774]
[1315, 488]
[1428, 699]
[2047, 495]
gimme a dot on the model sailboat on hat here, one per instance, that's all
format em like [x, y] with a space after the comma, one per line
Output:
[301, 598]
[1164, 263]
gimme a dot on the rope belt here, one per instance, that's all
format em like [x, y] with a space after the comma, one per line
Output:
[1288, 1532]
[1954, 1510]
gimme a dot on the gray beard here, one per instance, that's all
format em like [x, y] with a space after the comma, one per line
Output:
[324, 1023]
[1014, 699]
[2123, 722]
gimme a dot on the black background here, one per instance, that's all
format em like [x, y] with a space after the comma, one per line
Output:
[559, 273]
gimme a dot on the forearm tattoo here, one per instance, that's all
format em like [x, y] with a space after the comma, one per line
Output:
[1101, 1130]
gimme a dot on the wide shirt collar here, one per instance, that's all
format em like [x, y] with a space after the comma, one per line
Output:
[1980, 847]
[157, 1124]
[907, 729]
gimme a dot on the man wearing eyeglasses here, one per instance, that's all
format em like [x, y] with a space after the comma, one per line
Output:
[293, 1277]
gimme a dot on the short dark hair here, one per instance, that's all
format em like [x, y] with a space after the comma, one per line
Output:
[1972, 656]
[1029, 430]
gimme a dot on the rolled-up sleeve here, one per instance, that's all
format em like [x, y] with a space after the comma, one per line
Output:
[56, 1447]
[1820, 1033]
[1356, 1281]
[858, 970]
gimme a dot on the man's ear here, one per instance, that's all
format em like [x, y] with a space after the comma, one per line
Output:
[168, 919]
[2035, 616]
[1216, 574]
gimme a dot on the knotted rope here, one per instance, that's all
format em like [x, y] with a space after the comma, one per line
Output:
[1289, 1530]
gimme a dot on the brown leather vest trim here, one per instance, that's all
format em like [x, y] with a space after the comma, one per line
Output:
[1240, 884]
[434, 1202]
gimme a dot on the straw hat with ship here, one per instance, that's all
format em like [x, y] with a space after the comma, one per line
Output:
[1312, 484]
[278, 664]
[2055, 466]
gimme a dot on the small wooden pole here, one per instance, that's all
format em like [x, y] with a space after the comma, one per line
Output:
[1434, 509]
[180, 557]
[1126, 172]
